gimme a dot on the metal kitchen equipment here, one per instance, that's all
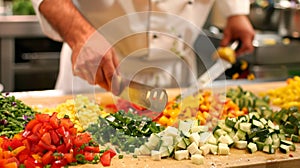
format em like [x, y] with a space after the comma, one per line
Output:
[151, 98]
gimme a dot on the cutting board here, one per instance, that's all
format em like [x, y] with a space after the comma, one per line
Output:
[236, 158]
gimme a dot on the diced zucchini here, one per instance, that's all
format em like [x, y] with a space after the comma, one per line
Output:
[197, 159]
[241, 144]
[230, 122]
[144, 150]
[155, 155]
[284, 148]
[167, 140]
[257, 124]
[271, 124]
[241, 135]
[252, 147]
[181, 154]
[182, 144]
[268, 141]
[295, 138]
[185, 126]
[292, 147]
[254, 139]
[260, 145]
[213, 149]
[193, 149]
[286, 142]
[219, 132]
[205, 149]
[276, 142]
[269, 149]
[224, 127]
[226, 139]
[195, 137]
[212, 140]
[263, 121]
[223, 149]
[199, 129]
[204, 137]
[164, 151]
[246, 127]
[171, 131]
[186, 141]
[153, 141]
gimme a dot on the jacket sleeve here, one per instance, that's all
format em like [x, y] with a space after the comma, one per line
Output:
[46, 27]
[233, 7]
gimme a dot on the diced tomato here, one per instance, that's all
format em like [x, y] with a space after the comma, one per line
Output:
[68, 157]
[54, 137]
[94, 149]
[31, 124]
[89, 156]
[44, 146]
[42, 117]
[105, 159]
[67, 123]
[82, 139]
[62, 148]
[46, 138]
[47, 158]
[111, 152]
[33, 138]
[37, 128]
[54, 121]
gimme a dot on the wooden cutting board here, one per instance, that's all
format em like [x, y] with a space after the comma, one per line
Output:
[236, 158]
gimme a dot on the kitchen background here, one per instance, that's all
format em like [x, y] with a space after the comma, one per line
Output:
[30, 61]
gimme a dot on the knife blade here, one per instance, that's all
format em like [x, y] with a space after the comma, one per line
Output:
[151, 98]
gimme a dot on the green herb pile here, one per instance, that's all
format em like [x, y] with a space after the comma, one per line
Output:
[14, 115]
[126, 131]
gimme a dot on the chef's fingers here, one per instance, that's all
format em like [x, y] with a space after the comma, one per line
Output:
[227, 38]
[246, 46]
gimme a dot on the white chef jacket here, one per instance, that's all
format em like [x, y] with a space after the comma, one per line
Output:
[153, 38]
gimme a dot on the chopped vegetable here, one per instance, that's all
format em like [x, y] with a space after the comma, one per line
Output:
[14, 115]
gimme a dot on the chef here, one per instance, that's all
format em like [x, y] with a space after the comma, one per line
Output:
[149, 41]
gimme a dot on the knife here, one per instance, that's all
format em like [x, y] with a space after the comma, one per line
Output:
[151, 98]
[225, 57]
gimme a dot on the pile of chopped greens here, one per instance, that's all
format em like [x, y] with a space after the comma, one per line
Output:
[14, 115]
[125, 131]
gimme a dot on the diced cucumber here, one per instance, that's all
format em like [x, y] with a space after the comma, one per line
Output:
[268, 141]
[181, 154]
[241, 144]
[223, 149]
[252, 147]
[185, 126]
[284, 148]
[197, 159]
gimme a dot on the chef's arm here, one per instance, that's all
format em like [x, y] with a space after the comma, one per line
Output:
[238, 26]
[65, 19]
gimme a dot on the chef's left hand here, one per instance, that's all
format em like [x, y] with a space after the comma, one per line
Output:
[238, 27]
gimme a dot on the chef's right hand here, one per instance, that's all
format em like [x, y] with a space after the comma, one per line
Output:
[95, 61]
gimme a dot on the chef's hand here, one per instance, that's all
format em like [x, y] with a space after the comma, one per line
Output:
[238, 27]
[95, 61]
